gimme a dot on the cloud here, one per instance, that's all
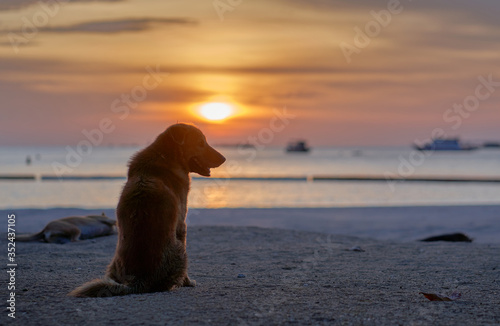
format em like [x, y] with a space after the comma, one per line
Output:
[357, 5]
[457, 11]
[119, 26]
[254, 70]
[50, 66]
[10, 44]
[21, 4]
[299, 69]
[27, 67]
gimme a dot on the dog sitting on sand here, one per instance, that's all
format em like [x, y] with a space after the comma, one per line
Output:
[151, 251]
[74, 228]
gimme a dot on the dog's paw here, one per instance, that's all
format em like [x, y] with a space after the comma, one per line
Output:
[189, 282]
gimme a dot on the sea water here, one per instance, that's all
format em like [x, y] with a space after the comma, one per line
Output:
[254, 177]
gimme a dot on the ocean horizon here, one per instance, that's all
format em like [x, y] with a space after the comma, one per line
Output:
[261, 178]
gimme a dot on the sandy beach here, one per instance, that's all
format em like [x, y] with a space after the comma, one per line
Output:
[267, 276]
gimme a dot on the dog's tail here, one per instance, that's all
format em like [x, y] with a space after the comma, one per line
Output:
[102, 288]
[31, 237]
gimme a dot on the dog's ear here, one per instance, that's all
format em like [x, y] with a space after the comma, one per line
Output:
[178, 133]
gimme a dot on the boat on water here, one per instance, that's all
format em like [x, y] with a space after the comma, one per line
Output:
[491, 145]
[449, 144]
[297, 146]
[236, 145]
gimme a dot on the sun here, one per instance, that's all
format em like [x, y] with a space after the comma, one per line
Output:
[216, 111]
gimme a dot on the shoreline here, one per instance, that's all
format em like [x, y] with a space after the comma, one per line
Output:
[397, 223]
[307, 178]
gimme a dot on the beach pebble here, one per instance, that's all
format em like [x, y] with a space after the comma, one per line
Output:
[356, 248]
[241, 276]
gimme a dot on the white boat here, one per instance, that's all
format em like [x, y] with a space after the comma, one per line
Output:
[449, 144]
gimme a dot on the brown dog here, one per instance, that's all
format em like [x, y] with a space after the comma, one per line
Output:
[151, 216]
[74, 228]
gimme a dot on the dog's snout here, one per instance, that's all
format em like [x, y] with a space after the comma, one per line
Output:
[216, 158]
[222, 158]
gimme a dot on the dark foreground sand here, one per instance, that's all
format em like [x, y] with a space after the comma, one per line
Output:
[290, 277]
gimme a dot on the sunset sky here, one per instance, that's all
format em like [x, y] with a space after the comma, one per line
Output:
[360, 72]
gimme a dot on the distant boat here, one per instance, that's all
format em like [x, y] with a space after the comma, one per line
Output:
[451, 144]
[491, 145]
[297, 146]
[236, 145]
[246, 145]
